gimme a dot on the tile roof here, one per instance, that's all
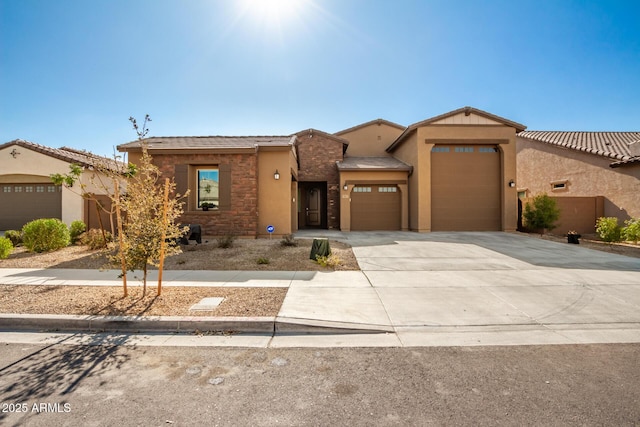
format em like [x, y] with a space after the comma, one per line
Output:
[210, 142]
[71, 155]
[613, 145]
[372, 163]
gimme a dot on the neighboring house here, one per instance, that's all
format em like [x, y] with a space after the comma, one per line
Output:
[452, 172]
[27, 192]
[591, 174]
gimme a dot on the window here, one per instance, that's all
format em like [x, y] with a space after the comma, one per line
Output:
[39, 188]
[17, 189]
[51, 189]
[439, 149]
[387, 189]
[559, 185]
[208, 187]
[487, 150]
[464, 149]
[362, 189]
[28, 189]
[6, 189]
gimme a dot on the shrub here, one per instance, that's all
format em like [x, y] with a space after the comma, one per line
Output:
[608, 229]
[45, 235]
[15, 236]
[94, 238]
[225, 242]
[288, 240]
[76, 229]
[631, 230]
[6, 247]
[263, 261]
[330, 260]
[541, 214]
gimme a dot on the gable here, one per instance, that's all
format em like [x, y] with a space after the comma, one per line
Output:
[371, 138]
[466, 119]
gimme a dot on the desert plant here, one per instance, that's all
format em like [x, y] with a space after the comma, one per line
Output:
[225, 242]
[95, 238]
[288, 240]
[608, 229]
[6, 247]
[76, 229]
[541, 213]
[332, 260]
[15, 236]
[45, 235]
[631, 230]
[263, 261]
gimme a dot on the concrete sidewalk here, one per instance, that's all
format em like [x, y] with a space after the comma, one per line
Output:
[420, 290]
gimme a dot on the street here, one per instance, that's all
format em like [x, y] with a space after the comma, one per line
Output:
[120, 384]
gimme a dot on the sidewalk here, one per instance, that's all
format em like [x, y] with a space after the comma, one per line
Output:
[439, 289]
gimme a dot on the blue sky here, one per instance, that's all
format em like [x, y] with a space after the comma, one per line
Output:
[73, 71]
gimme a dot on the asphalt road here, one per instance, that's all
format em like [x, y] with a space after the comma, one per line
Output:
[161, 386]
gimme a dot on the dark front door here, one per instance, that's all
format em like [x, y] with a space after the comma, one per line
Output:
[313, 208]
[312, 211]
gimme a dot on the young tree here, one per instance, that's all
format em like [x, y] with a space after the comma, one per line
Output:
[151, 210]
[541, 214]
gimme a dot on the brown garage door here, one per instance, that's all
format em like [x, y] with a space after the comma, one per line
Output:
[375, 207]
[465, 188]
[21, 203]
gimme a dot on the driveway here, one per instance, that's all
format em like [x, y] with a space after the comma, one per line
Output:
[480, 288]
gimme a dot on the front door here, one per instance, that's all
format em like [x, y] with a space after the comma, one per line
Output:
[314, 207]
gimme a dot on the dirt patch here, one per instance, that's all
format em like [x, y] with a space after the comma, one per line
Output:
[591, 242]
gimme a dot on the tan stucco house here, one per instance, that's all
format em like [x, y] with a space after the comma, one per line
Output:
[452, 172]
[590, 174]
[27, 191]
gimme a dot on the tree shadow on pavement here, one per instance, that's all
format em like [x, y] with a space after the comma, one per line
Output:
[48, 374]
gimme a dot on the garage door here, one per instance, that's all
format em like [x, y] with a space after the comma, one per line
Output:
[21, 203]
[375, 207]
[465, 188]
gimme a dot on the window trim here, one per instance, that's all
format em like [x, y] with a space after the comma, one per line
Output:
[559, 185]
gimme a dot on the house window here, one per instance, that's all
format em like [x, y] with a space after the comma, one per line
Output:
[559, 185]
[208, 187]
[439, 149]
[6, 189]
[464, 149]
[387, 189]
[362, 189]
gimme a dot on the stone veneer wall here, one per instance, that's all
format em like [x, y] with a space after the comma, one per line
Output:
[317, 155]
[241, 217]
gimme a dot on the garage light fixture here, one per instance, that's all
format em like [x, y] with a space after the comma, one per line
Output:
[512, 183]
[276, 175]
[345, 187]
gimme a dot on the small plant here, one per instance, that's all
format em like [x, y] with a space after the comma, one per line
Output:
[288, 240]
[94, 239]
[15, 236]
[541, 214]
[45, 235]
[330, 260]
[630, 232]
[225, 242]
[608, 229]
[76, 229]
[263, 261]
[6, 247]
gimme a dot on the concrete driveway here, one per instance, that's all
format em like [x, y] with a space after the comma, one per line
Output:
[479, 288]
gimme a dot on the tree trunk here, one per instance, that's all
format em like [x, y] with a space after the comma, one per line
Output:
[123, 258]
[164, 234]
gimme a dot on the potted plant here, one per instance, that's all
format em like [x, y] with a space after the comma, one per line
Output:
[206, 205]
[573, 237]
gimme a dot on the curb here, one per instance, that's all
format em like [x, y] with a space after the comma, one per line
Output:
[176, 324]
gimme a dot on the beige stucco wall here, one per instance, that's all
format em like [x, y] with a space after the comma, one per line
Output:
[352, 178]
[416, 150]
[32, 166]
[276, 198]
[371, 140]
[540, 164]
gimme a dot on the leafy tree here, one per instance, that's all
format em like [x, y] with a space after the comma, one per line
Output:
[541, 213]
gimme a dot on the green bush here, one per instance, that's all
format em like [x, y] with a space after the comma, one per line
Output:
[15, 236]
[631, 230]
[45, 235]
[76, 229]
[608, 229]
[541, 214]
[6, 247]
[94, 239]
[330, 260]
[263, 261]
